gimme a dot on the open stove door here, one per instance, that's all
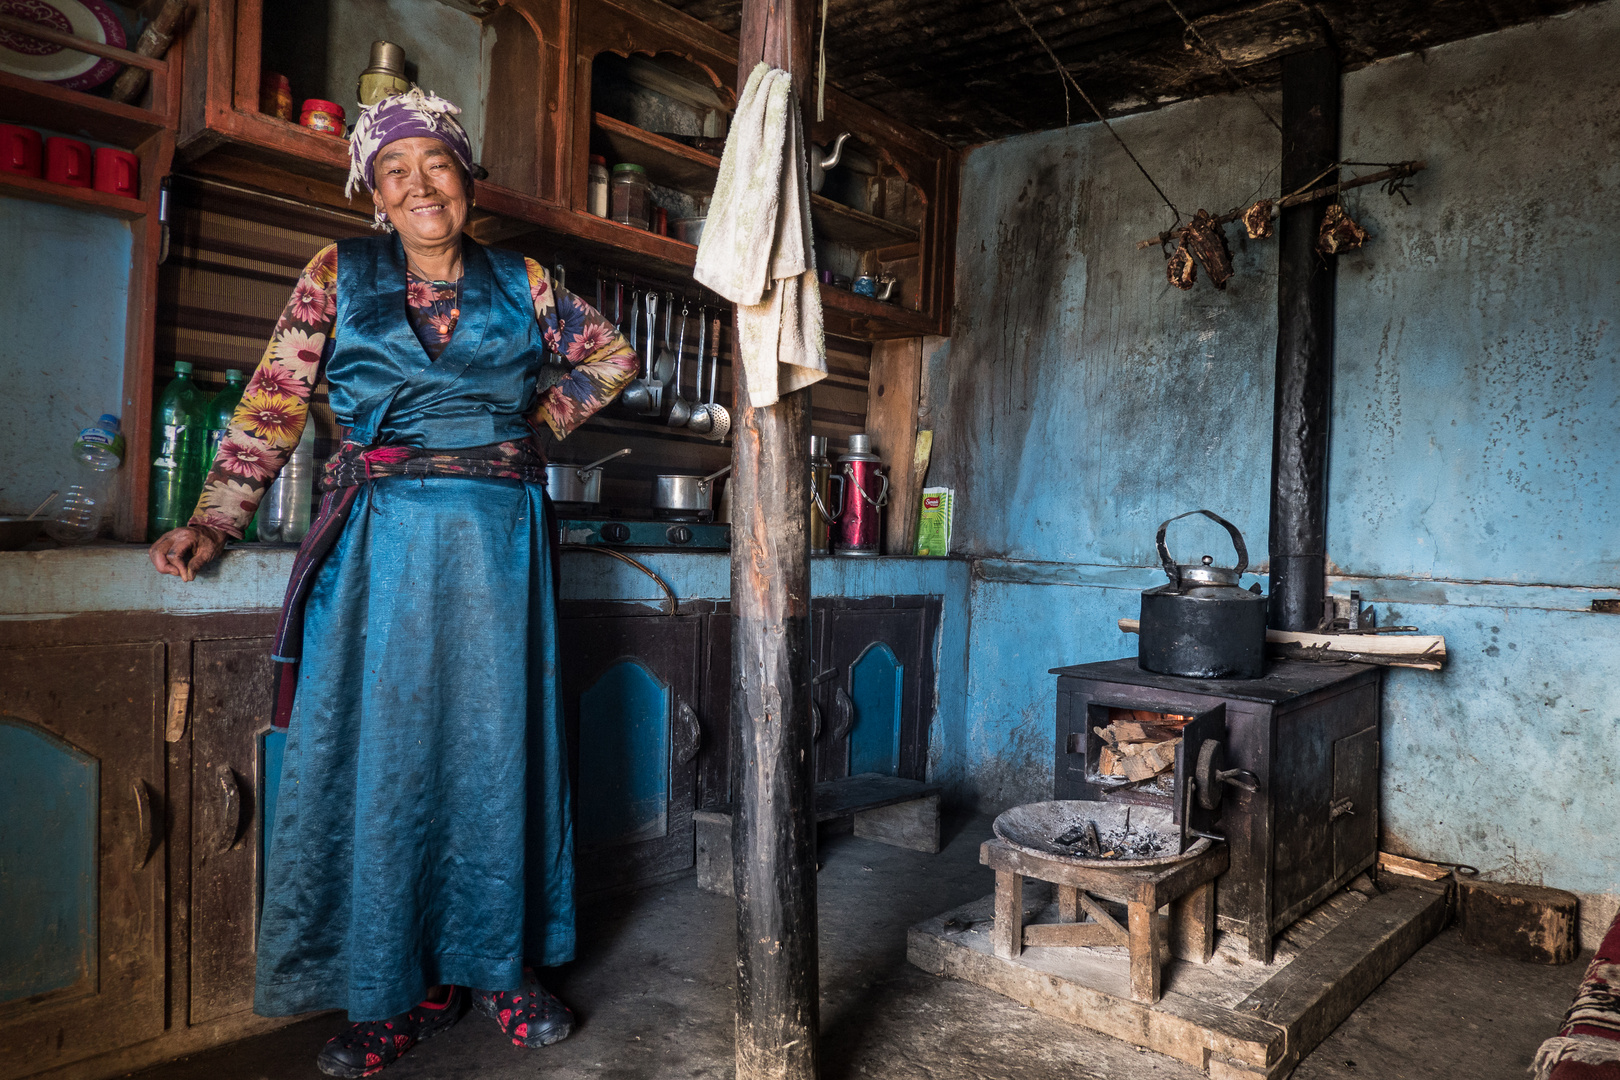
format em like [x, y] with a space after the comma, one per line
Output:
[1191, 812]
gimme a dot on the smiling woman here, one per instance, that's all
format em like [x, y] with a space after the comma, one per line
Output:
[423, 851]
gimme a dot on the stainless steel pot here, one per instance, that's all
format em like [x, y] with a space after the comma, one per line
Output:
[578, 483]
[677, 491]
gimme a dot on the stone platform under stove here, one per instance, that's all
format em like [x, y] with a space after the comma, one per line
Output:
[1234, 1017]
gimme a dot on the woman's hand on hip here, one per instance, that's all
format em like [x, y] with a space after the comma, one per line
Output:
[186, 550]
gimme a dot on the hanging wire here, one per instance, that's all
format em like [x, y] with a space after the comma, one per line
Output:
[1219, 59]
[821, 68]
[1069, 78]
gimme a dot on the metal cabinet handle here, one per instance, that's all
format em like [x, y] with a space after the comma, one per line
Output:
[230, 809]
[145, 826]
[815, 721]
[688, 734]
[843, 714]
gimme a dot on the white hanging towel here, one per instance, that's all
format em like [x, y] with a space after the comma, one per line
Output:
[756, 244]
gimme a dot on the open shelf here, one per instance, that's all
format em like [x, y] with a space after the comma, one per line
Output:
[32, 187]
[71, 112]
[668, 163]
[672, 164]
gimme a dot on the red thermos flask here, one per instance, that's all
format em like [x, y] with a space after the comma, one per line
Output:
[859, 529]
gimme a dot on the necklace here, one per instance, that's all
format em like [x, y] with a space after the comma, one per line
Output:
[455, 304]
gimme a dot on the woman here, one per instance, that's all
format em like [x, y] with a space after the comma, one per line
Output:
[422, 851]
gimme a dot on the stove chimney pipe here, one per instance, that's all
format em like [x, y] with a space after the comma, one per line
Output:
[1305, 279]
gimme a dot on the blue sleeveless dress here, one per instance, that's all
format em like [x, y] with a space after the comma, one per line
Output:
[422, 831]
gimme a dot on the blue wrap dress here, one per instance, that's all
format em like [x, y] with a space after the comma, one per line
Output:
[423, 832]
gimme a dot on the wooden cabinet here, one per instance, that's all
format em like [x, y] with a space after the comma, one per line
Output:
[83, 863]
[230, 786]
[630, 693]
[536, 134]
[874, 672]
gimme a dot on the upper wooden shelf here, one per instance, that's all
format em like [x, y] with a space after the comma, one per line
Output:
[32, 187]
[673, 164]
[71, 112]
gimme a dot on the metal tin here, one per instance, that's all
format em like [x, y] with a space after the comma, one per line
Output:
[385, 75]
[323, 116]
[1203, 624]
[275, 96]
[859, 527]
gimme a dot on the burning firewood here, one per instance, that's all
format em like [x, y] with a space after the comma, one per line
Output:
[1339, 232]
[1180, 267]
[1206, 239]
[1257, 220]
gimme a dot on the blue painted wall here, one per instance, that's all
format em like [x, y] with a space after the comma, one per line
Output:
[1477, 399]
[66, 287]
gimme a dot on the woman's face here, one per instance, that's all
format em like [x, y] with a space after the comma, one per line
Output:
[421, 187]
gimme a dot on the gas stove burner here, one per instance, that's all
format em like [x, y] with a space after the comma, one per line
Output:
[682, 515]
[621, 532]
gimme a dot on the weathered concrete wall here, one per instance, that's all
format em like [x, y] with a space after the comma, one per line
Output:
[1477, 397]
[66, 284]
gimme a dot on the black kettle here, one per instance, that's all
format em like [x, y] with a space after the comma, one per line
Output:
[1203, 624]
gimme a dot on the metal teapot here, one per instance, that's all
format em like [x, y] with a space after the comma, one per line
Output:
[1204, 624]
[822, 159]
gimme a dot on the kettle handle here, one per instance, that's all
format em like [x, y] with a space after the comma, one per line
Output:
[1170, 569]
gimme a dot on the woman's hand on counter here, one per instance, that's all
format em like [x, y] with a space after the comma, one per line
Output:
[186, 550]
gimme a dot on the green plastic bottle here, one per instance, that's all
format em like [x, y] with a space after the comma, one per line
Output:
[179, 438]
[220, 411]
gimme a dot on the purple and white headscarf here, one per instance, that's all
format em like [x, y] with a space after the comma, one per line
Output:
[415, 113]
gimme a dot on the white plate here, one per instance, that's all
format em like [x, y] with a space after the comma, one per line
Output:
[92, 20]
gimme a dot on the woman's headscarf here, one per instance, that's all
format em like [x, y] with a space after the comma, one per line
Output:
[415, 113]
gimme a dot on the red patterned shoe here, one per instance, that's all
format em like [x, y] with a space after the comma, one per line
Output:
[529, 1016]
[369, 1048]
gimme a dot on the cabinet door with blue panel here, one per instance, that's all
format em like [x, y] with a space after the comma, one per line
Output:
[630, 698]
[82, 854]
[235, 765]
[876, 682]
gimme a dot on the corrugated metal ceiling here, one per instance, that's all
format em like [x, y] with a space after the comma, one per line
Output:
[969, 71]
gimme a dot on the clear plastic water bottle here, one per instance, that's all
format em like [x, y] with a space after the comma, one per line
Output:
[99, 450]
[179, 435]
[220, 411]
[284, 513]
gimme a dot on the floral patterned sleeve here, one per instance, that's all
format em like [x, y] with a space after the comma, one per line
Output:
[602, 361]
[270, 419]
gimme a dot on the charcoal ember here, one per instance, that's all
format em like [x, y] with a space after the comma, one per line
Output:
[1339, 232]
[1133, 844]
[1180, 267]
[1257, 220]
[1207, 241]
[1082, 838]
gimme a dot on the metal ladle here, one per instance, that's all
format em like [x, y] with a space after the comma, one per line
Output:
[721, 416]
[679, 411]
[637, 397]
[702, 420]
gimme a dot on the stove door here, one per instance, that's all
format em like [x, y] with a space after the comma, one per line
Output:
[1190, 814]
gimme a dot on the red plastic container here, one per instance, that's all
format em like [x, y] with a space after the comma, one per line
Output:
[22, 151]
[323, 116]
[67, 161]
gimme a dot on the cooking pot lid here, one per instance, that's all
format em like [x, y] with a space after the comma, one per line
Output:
[1207, 574]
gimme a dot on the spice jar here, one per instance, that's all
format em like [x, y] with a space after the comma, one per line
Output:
[597, 192]
[631, 195]
[275, 96]
[323, 116]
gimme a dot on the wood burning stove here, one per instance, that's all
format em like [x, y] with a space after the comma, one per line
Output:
[1306, 731]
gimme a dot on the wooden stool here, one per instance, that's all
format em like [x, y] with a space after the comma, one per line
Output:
[1188, 886]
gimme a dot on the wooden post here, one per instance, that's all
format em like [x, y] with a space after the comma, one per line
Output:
[1304, 390]
[774, 828]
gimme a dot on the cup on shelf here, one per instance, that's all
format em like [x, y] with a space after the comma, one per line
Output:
[67, 161]
[21, 151]
[118, 172]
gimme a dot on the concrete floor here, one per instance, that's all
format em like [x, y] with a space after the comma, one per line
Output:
[654, 991]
